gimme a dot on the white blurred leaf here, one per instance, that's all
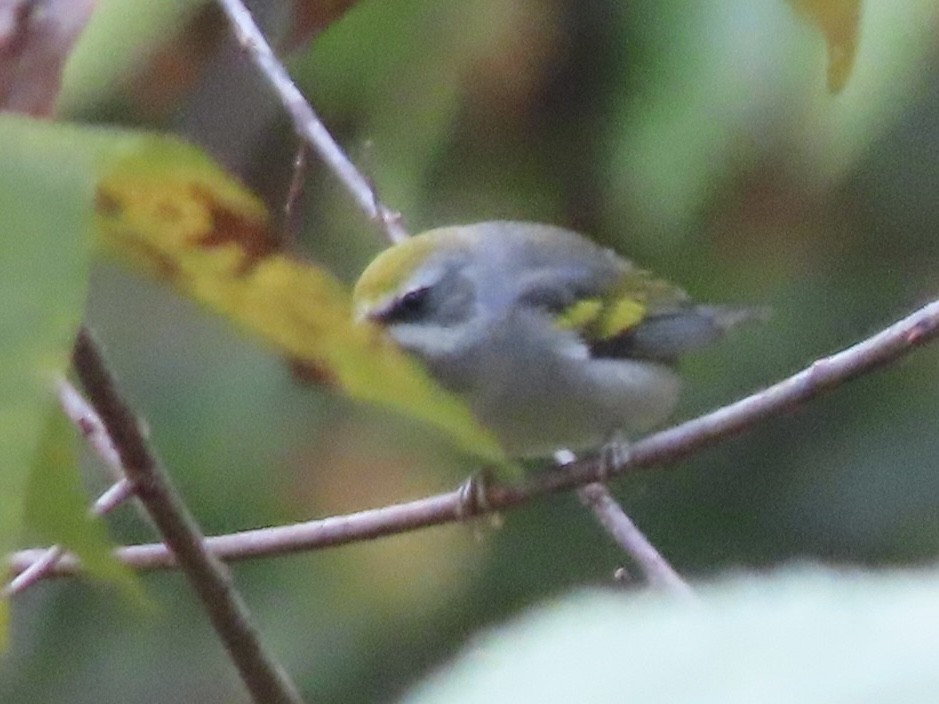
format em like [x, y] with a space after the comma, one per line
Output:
[799, 636]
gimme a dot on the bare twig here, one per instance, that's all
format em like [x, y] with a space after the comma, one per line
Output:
[658, 572]
[295, 190]
[307, 123]
[119, 492]
[89, 424]
[667, 446]
[116, 494]
[42, 565]
[280, 540]
[606, 509]
[264, 678]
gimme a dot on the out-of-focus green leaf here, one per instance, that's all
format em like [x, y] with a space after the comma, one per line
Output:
[716, 68]
[360, 57]
[46, 186]
[804, 636]
[57, 506]
[731, 82]
[838, 21]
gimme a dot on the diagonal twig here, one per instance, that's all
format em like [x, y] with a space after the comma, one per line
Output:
[307, 123]
[45, 562]
[262, 675]
[606, 509]
[294, 191]
[673, 444]
[597, 497]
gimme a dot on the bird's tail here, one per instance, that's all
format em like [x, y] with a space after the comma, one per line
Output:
[668, 335]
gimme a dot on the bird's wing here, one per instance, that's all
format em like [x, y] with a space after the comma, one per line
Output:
[642, 317]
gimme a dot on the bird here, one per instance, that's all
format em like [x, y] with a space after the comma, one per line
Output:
[553, 341]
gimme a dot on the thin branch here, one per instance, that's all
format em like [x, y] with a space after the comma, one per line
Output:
[597, 497]
[661, 448]
[43, 564]
[89, 424]
[280, 540]
[36, 38]
[294, 191]
[656, 569]
[307, 123]
[116, 494]
[264, 678]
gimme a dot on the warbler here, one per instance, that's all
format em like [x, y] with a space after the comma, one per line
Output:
[553, 341]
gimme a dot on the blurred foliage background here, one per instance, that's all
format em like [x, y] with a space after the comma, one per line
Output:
[696, 137]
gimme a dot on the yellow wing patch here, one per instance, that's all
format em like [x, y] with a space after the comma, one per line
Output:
[596, 319]
[638, 295]
[620, 316]
[580, 315]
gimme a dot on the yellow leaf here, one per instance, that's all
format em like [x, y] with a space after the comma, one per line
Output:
[168, 209]
[838, 21]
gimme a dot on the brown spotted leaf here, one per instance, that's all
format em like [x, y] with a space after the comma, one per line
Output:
[165, 208]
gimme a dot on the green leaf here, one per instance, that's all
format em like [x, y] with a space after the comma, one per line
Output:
[807, 636]
[46, 184]
[57, 506]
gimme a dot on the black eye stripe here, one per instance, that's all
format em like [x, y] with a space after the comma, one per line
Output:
[414, 299]
[409, 305]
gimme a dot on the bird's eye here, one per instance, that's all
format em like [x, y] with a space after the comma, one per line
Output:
[413, 300]
[408, 306]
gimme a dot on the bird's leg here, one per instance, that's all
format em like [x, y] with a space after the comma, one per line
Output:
[613, 454]
[473, 501]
